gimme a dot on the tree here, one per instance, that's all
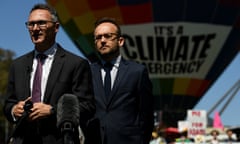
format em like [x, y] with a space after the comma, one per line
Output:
[6, 58]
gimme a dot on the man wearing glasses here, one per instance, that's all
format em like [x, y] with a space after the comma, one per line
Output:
[123, 90]
[41, 77]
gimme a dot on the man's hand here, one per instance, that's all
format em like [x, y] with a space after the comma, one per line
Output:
[18, 109]
[40, 110]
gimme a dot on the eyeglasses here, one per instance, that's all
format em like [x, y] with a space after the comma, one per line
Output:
[107, 36]
[41, 24]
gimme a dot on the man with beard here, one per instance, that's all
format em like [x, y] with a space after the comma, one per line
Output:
[123, 90]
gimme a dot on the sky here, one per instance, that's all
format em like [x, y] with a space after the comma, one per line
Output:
[14, 36]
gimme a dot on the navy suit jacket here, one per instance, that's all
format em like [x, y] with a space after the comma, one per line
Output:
[69, 74]
[127, 117]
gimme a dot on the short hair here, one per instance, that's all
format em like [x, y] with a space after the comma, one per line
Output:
[47, 7]
[229, 130]
[109, 20]
[216, 131]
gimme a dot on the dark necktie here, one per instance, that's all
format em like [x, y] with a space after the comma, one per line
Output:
[107, 80]
[36, 90]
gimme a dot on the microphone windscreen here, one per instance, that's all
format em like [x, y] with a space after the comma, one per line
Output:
[68, 110]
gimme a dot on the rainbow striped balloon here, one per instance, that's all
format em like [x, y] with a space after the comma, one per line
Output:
[186, 45]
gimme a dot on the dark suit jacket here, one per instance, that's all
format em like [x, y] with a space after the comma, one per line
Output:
[127, 118]
[69, 74]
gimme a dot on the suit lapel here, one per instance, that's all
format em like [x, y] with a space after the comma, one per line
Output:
[28, 62]
[99, 82]
[54, 73]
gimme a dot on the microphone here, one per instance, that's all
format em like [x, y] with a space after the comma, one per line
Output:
[68, 114]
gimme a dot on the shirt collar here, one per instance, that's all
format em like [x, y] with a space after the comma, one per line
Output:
[115, 61]
[49, 52]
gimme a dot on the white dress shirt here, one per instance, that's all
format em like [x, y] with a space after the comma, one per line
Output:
[114, 70]
[46, 67]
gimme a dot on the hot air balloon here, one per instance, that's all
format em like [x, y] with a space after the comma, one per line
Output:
[186, 45]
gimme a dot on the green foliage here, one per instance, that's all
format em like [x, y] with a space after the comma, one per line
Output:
[6, 58]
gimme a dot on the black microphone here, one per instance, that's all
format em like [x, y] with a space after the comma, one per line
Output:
[68, 115]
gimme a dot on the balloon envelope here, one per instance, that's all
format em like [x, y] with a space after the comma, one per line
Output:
[185, 45]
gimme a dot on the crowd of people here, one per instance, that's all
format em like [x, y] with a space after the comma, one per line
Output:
[215, 136]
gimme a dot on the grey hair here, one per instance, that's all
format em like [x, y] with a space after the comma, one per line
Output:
[48, 8]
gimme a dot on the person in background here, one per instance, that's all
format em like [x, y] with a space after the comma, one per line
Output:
[62, 73]
[184, 137]
[157, 138]
[231, 137]
[214, 137]
[125, 110]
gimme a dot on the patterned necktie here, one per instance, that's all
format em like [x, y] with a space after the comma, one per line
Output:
[36, 90]
[107, 80]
